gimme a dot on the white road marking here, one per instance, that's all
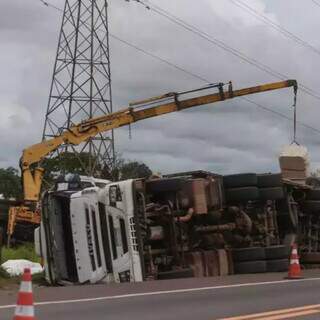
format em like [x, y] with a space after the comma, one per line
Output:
[155, 293]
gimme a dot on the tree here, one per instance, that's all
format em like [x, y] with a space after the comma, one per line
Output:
[10, 180]
[69, 162]
[134, 170]
[10, 183]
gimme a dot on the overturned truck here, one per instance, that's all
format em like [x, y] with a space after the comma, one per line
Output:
[182, 225]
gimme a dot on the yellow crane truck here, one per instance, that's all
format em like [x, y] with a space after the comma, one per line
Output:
[32, 172]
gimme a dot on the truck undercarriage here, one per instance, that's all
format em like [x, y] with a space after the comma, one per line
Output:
[188, 224]
[192, 215]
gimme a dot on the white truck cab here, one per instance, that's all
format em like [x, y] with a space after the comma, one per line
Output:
[89, 235]
[69, 239]
[127, 231]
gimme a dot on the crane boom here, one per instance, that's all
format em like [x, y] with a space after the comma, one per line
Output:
[32, 173]
[79, 133]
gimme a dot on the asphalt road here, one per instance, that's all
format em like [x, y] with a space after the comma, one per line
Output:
[196, 299]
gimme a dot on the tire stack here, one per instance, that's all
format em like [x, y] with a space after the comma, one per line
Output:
[277, 258]
[249, 260]
[240, 188]
[312, 202]
[270, 186]
[260, 260]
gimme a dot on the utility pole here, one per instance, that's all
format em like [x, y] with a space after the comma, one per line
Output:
[81, 82]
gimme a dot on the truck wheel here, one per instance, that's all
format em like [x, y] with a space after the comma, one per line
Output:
[310, 257]
[312, 206]
[176, 274]
[250, 267]
[277, 252]
[269, 180]
[242, 194]
[313, 194]
[240, 180]
[279, 265]
[276, 193]
[248, 254]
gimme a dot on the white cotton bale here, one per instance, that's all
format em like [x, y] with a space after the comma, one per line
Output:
[294, 161]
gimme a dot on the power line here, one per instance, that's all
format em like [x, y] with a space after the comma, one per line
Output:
[140, 49]
[302, 124]
[47, 4]
[159, 58]
[240, 4]
[210, 39]
[222, 45]
[156, 57]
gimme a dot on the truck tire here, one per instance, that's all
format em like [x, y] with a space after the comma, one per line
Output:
[242, 194]
[276, 193]
[164, 185]
[313, 194]
[176, 274]
[269, 180]
[313, 206]
[250, 267]
[248, 254]
[279, 265]
[240, 180]
[310, 257]
[277, 252]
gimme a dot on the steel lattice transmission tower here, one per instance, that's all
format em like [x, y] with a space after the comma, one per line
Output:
[81, 83]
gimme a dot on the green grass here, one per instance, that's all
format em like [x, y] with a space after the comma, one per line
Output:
[6, 280]
[4, 274]
[20, 252]
[25, 251]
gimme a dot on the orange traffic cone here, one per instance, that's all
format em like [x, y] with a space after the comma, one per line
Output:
[24, 309]
[294, 268]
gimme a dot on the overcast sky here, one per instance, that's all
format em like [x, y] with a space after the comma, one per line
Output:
[233, 136]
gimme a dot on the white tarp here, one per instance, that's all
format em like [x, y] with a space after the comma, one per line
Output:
[16, 267]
